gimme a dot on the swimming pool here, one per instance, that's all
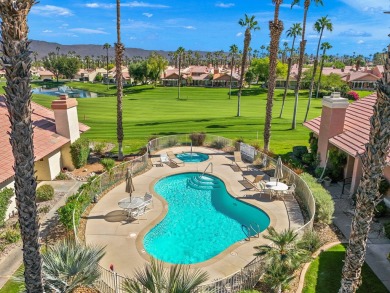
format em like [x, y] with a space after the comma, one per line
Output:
[203, 219]
[192, 157]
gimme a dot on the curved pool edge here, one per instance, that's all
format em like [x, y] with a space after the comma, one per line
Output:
[226, 252]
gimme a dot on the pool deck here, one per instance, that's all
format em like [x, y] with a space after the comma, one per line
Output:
[107, 225]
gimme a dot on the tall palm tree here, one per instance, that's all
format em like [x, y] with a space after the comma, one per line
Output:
[320, 25]
[119, 49]
[302, 47]
[233, 51]
[16, 54]
[68, 265]
[250, 24]
[276, 28]
[367, 196]
[58, 50]
[180, 53]
[107, 46]
[294, 31]
[155, 278]
[324, 47]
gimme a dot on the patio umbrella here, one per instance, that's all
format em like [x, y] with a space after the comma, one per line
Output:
[129, 183]
[278, 170]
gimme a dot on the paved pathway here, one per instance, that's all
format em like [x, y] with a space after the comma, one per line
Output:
[14, 259]
[378, 247]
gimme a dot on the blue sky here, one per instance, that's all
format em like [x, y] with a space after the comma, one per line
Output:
[360, 26]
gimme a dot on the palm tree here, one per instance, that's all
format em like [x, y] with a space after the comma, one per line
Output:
[301, 55]
[180, 52]
[319, 26]
[294, 31]
[69, 265]
[367, 196]
[58, 50]
[119, 49]
[276, 28]
[155, 278]
[250, 24]
[16, 54]
[278, 276]
[107, 46]
[324, 46]
[233, 51]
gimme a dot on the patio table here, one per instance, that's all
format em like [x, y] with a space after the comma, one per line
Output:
[277, 186]
[133, 203]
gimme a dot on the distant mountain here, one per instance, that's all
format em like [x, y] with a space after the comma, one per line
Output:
[44, 48]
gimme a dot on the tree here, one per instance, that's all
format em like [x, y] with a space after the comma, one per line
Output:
[233, 52]
[155, 278]
[107, 46]
[180, 52]
[119, 49]
[319, 26]
[276, 28]
[302, 46]
[156, 65]
[68, 66]
[139, 71]
[367, 195]
[260, 68]
[249, 77]
[16, 55]
[324, 46]
[68, 265]
[54, 64]
[294, 31]
[250, 24]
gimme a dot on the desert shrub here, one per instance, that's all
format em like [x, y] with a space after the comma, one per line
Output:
[310, 241]
[43, 210]
[352, 95]
[198, 138]
[218, 144]
[249, 291]
[11, 235]
[380, 209]
[99, 147]
[62, 176]
[323, 199]
[386, 227]
[79, 151]
[107, 164]
[5, 196]
[45, 192]
[172, 141]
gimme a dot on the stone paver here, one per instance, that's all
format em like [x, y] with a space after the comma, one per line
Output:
[107, 225]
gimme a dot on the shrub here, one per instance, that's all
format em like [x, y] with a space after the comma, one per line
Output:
[11, 235]
[5, 196]
[76, 202]
[79, 151]
[62, 176]
[218, 144]
[310, 241]
[299, 151]
[352, 95]
[172, 141]
[249, 291]
[107, 164]
[45, 192]
[99, 147]
[337, 161]
[43, 210]
[380, 210]
[386, 227]
[323, 199]
[198, 138]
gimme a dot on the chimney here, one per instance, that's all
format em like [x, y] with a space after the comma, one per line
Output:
[216, 70]
[66, 119]
[334, 108]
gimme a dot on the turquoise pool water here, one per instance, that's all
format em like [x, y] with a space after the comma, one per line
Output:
[192, 157]
[203, 219]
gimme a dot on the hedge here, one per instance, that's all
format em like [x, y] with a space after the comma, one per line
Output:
[322, 198]
[45, 192]
[79, 151]
[76, 202]
[5, 196]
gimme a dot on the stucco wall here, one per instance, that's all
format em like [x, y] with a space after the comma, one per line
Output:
[49, 167]
[66, 158]
[42, 170]
[55, 164]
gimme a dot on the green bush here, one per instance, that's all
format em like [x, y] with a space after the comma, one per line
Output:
[107, 164]
[45, 192]
[62, 176]
[198, 138]
[5, 196]
[386, 227]
[218, 144]
[310, 241]
[79, 151]
[172, 141]
[337, 161]
[322, 198]
[99, 147]
[380, 210]
[11, 235]
[249, 291]
[299, 151]
[76, 202]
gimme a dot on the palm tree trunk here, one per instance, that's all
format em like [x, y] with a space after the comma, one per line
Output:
[319, 78]
[367, 197]
[288, 77]
[17, 63]
[119, 48]
[179, 80]
[247, 41]
[231, 78]
[276, 28]
[313, 76]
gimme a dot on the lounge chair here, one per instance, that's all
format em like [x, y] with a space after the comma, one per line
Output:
[174, 159]
[253, 179]
[164, 159]
[257, 184]
[148, 199]
[238, 161]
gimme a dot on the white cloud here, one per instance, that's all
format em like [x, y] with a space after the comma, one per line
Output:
[360, 42]
[132, 38]
[224, 5]
[129, 4]
[369, 6]
[51, 11]
[136, 24]
[149, 15]
[88, 31]
[189, 27]
[238, 34]
[92, 5]
[47, 31]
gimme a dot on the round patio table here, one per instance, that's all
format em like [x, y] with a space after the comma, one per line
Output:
[133, 203]
[277, 186]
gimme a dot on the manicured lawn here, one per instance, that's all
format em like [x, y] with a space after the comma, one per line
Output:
[324, 274]
[11, 286]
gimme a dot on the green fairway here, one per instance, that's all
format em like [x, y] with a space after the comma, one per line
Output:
[324, 274]
[151, 111]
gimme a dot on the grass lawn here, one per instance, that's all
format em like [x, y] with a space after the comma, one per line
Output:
[11, 286]
[324, 274]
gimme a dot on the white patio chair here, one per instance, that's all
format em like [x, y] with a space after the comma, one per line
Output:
[272, 179]
[148, 199]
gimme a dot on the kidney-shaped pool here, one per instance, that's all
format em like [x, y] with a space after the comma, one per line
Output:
[203, 219]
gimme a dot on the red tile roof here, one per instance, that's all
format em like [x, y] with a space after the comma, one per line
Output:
[356, 127]
[46, 140]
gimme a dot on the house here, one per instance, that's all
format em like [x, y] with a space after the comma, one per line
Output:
[54, 131]
[346, 127]
[45, 74]
[223, 79]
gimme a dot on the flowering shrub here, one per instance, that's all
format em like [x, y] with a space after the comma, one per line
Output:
[351, 95]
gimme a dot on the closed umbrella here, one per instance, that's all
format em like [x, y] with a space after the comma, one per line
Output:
[129, 183]
[278, 170]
